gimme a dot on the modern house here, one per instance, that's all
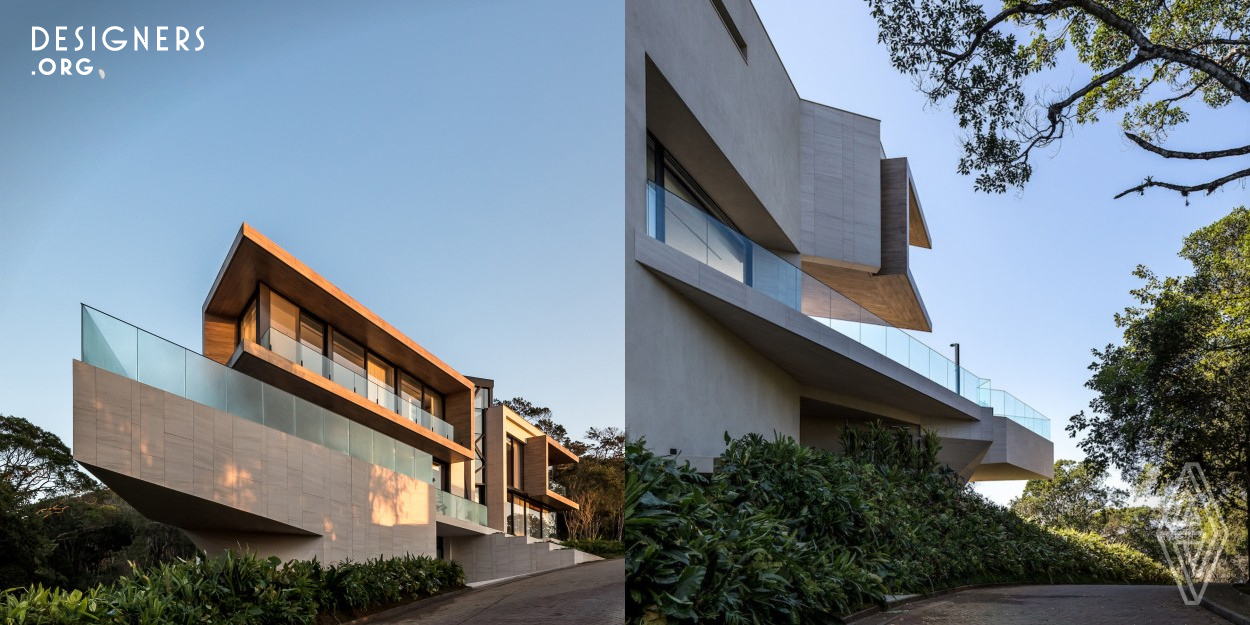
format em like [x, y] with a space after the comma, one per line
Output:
[310, 427]
[768, 239]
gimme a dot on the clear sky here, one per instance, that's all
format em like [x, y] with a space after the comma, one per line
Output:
[453, 166]
[1027, 282]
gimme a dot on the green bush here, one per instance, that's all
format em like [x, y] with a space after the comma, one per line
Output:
[597, 546]
[783, 533]
[236, 590]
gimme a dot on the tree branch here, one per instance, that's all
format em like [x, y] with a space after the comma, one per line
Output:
[1204, 156]
[1209, 187]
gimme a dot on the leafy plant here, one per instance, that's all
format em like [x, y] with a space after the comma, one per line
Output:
[236, 589]
[783, 533]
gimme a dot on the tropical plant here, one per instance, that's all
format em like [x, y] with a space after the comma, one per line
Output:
[782, 533]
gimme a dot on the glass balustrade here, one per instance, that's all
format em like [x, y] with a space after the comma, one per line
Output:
[287, 347]
[460, 508]
[114, 345]
[698, 235]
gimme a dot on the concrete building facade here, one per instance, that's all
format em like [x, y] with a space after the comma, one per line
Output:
[768, 285]
[309, 427]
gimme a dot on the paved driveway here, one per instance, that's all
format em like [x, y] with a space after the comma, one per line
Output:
[1020, 605]
[587, 594]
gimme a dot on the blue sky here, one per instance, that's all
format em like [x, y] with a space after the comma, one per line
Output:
[1026, 282]
[453, 166]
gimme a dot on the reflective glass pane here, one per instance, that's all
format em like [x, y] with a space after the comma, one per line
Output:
[727, 250]
[243, 396]
[685, 228]
[162, 364]
[405, 459]
[312, 334]
[109, 343]
[206, 382]
[775, 277]
[423, 462]
[336, 432]
[383, 450]
[308, 421]
[279, 409]
[283, 315]
[361, 441]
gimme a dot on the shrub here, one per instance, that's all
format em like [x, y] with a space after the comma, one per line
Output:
[597, 546]
[782, 533]
[236, 589]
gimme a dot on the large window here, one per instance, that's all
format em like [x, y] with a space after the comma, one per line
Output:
[312, 333]
[528, 518]
[283, 315]
[442, 475]
[665, 171]
[302, 338]
[349, 354]
[421, 395]
[247, 324]
[516, 463]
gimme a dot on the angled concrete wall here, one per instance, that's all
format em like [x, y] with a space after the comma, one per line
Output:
[840, 187]
[229, 481]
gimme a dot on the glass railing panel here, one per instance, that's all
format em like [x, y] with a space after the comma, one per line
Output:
[726, 250]
[898, 346]
[309, 422]
[243, 396]
[206, 382]
[279, 411]
[459, 507]
[361, 441]
[383, 450]
[109, 343]
[698, 235]
[405, 459]
[161, 364]
[775, 277]
[114, 345]
[336, 432]
[289, 348]
[873, 336]
[685, 228]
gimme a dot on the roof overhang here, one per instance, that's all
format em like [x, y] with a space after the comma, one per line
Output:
[894, 298]
[254, 259]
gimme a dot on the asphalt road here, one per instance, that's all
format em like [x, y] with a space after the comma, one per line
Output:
[587, 594]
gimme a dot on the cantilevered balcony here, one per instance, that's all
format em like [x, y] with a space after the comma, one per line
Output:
[300, 354]
[697, 235]
[121, 348]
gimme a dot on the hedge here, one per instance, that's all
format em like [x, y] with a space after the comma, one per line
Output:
[237, 589]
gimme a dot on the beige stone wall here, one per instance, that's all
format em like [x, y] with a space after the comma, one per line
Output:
[155, 446]
[499, 555]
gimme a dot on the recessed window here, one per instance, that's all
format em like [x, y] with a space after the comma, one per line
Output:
[734, 33]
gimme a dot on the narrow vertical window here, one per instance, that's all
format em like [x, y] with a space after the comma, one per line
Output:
[247, 324]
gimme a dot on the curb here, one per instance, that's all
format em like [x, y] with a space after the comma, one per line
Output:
[1235, 617]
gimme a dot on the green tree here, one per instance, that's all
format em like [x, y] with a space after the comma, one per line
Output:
[1075, 499]
[35, 464]
[1178, 389]
[1151, 61]
[34, 467]
[541, 417]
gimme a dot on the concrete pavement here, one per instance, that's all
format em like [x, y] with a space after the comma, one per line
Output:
[1060, 604]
